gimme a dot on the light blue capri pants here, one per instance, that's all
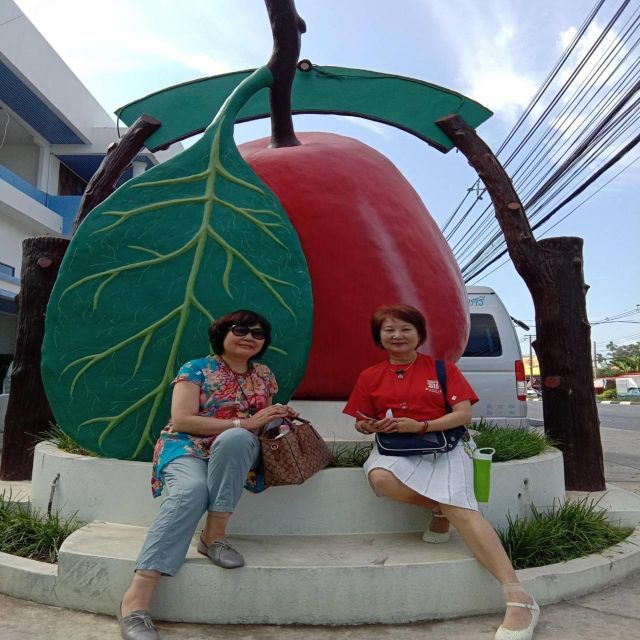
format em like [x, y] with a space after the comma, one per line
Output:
[195, 486]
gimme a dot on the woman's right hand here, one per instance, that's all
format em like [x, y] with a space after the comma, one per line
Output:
[364, 426]
[266, 415]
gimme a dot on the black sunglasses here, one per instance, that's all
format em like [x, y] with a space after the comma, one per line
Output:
[241, 330]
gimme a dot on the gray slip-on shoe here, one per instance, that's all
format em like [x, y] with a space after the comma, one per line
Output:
[136, 626]
[221, 553]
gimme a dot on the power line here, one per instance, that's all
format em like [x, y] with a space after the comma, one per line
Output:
[590, 124]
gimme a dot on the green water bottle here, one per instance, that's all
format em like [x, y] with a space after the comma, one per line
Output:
[482, 473]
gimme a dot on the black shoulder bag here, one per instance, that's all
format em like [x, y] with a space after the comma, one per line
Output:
[413, 444]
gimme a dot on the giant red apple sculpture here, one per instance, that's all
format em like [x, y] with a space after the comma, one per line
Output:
[368, 240]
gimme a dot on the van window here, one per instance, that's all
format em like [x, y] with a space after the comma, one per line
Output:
[484, 340]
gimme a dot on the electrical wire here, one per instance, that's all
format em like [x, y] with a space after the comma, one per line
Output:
[588, 126]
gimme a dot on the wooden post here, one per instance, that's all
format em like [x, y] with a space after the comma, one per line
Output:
[552, 270]
[28, 413]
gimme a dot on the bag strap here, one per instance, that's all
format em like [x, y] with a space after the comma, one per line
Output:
[441, 371]
[289, 421]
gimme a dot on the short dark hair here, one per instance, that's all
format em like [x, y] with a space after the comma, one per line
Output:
[404, 312]
[219, 328]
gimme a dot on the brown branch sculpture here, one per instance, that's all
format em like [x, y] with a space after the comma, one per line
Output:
[552, 270]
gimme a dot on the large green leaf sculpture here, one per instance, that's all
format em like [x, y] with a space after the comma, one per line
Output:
[150, 268]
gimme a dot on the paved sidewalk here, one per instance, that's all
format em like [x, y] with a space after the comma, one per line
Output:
[613, 613]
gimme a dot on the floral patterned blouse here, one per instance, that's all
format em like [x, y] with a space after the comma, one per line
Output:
[221, 396]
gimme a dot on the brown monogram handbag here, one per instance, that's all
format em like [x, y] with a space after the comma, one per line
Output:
[292, 452]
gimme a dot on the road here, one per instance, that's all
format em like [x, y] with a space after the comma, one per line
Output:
[616, 416]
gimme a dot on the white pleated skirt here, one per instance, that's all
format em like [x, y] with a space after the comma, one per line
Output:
[446, 478]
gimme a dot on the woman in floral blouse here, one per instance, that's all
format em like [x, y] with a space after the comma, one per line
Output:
[203, 456]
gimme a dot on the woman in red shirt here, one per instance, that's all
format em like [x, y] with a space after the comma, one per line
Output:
[402, 394]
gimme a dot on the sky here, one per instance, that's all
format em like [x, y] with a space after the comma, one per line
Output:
[497, 52]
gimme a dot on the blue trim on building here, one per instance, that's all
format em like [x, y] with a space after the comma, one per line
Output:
[5, 277]
[7, 302]
[28, 106]
[86, 164]
[22, 185]
[67, 207]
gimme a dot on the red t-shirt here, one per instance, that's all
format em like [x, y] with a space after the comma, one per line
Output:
[417, 395]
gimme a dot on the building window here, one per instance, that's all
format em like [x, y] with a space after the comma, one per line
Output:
[484, 339]
[69, 183]
[7, 269]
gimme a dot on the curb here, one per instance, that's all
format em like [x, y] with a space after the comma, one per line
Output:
[349, 600]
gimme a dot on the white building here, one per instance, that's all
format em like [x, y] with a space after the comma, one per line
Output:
[53, 136]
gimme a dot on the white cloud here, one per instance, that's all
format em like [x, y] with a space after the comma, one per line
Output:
[503, 90]
[484, 43]
[611, 43]
[118, 36]
[375, 127]
[566, 37]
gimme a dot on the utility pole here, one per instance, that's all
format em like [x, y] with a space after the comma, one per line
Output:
[530, 336]
[595, 361]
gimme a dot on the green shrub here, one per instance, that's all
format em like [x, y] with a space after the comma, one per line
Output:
[510, 444]
[64, 442]
[573, 530]
[350, 455]
[27, 533]
[609, 394]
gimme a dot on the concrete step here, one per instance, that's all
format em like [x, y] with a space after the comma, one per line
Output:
[340, 579]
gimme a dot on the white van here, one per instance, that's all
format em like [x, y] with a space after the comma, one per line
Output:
[628, 387]
[492, 361]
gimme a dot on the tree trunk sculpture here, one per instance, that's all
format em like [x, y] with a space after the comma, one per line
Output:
[28, 413]
[552, 270]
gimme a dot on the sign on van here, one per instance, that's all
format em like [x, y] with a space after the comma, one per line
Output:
[477, 301]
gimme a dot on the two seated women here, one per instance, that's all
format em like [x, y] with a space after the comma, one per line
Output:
[208, 447]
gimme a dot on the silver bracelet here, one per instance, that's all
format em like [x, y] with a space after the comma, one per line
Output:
[236, 424]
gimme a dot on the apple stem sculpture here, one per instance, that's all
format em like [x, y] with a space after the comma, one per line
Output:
[287, 27]
[552, 270]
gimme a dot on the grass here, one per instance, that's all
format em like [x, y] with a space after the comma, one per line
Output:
[56, 436]
[350, 455]
[27, 533]
[510, 444]
[573, 530]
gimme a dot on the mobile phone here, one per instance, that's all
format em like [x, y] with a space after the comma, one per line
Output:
[366, 417]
